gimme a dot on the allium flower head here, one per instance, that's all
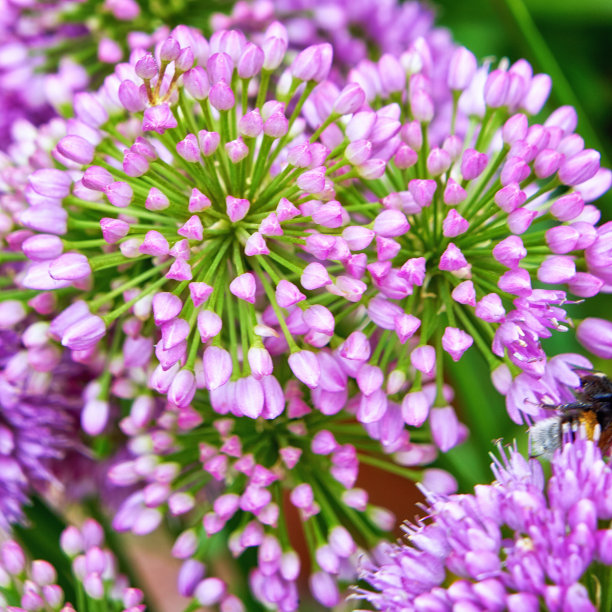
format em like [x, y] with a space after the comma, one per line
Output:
[271, 213]
[467, 228]
[40, 402]
[521, 543]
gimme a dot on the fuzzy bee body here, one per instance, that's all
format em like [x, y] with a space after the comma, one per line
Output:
[591, 412]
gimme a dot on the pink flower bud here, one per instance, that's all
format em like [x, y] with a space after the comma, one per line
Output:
[519, 220]
[198, 201]
[556, 269]
[305, 366]
[390, 223]
[421, 106]
[196, 83]
[356, 347]
[236, 150]
[438, 161]
[158, 119]
[286, 210]
[405, 157]
[41, 247]
[415, 408]
[166, 306]
[579, 168]
[51, 182]
[217, 367]
[251, 124]
[461, 69]
[464, 293]
[146, 67]
[302, 496]
[70, 266]
[509, 251]
[260, 362]
[113, 229]
[496, 88]
[134, 164]
[209, 141]
[422, 190]
[473, 163]
[405, 326]
[182, 389]
[455, 342]
[585, 285]
[84, 333]
[444, 428]
[452, 259]
[188, 148]
[350, 99]
[221, 96]
[237, 208]
[119, 194]
[596, 336]
[210, 591]
[320, 319]
[154, 244]
[94, 416]
[243, 287]
[562, 238]
[287, 294]
[490, 308]
[546, 163]
[76, 149]
[324, 589]
[454, 224]
[256, 245]
[423, 358]
[156, 200]
[131, 96]
[192, 229]
[250, 62]
[209, 324]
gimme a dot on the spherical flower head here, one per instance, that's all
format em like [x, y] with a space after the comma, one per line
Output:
[452, 230]
[178, 231]
[547, 525]
[244, 477]
[215, 187]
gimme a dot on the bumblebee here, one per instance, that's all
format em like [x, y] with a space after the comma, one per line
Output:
[592, 411]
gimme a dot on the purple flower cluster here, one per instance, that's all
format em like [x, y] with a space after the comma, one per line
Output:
[523, 543]
[28, 90]
[353, 28]
[269, 264]
[27, 586]
[40, 405]
[232, 482]
[184, 216]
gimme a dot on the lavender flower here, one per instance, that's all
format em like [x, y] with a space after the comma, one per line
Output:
[33, 585]
[40, 402]
[521, 543]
